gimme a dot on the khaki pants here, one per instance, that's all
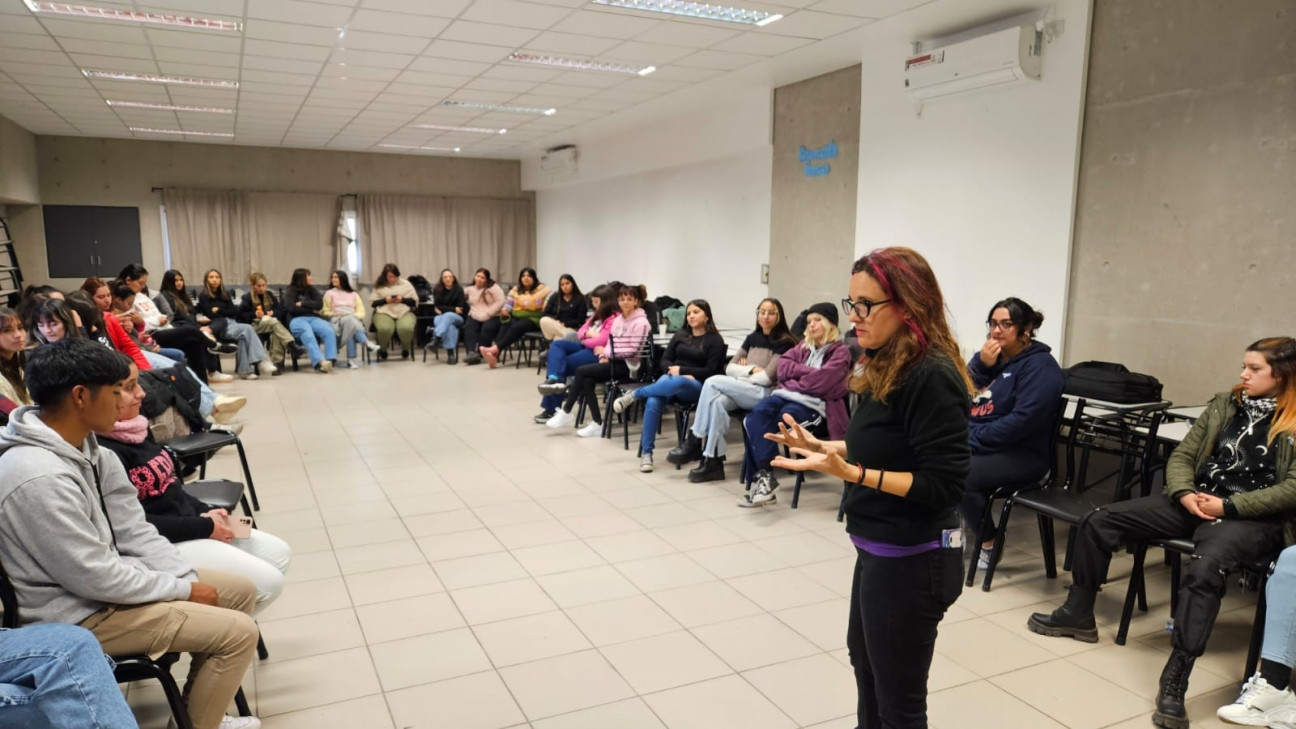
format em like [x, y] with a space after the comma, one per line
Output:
[552, 328]
[402, 327]
[280, 337]
[222, 639]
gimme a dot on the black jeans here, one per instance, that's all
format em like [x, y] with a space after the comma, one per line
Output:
[1220, 546]
[513, 331]
[897, 604]
[585, 384]
[479, 333]
[193, 343]
[988, 472]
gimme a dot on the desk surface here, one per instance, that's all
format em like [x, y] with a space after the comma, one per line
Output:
[1173, 431]
[1187, 412]
[1109, 409]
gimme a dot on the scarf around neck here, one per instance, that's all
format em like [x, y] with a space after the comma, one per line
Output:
[134, 430]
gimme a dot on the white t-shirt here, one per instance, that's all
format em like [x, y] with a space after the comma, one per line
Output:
[145, 307]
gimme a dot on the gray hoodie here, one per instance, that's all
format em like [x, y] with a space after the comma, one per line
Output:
[55, 542]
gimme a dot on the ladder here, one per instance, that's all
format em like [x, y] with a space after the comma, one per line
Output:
[11, 281]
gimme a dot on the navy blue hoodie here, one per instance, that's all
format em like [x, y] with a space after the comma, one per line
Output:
[1015, 404]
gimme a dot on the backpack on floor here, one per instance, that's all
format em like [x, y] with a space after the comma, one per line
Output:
[1110, 381]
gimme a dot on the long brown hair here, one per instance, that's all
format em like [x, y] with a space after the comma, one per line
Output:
[12, 368]
[1280, 354]
[908, 281]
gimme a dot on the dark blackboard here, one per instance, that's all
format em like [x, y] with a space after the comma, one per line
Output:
[90, 240]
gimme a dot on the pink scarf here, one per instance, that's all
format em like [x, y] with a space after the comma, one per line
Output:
[134, 430]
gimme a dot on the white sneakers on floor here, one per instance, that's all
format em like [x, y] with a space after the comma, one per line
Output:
[645, 463]
[590, 430]
[240, 722]
[353, 365]
[561, 419]
[266, 368]
[621, 403]
[373, 346]
[218, 378]
[226, 407]
[1260, 704]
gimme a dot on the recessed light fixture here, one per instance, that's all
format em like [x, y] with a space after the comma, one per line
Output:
[581, 65]
[167, 107]
[415, 146]
[470, 130]
[147, 130]
[156, 78]
[131, 16]
[456, 104]
[703, 11]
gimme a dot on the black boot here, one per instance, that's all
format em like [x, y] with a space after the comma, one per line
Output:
[452, 356]
[687, 452]
[711, 469]
[1170, 712]
[1073, 620]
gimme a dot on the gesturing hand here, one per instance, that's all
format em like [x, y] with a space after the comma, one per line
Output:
[807, 462]
[792, 435]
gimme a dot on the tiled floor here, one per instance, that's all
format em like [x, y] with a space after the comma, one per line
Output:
[458, 566]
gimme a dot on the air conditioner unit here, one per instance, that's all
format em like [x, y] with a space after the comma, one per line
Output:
[559, 162]
[998, 58]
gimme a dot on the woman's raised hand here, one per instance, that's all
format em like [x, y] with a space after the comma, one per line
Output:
[792, 435]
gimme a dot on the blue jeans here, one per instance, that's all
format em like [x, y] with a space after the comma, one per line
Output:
[564, 357]
[56, 675]
[764, 418]
[446, 327]
[1280, 619]
[303, 327]
[667, 388]
[172, 354]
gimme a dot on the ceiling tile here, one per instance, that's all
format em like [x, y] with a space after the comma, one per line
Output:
[253, 100]
[417, 91]
[500, 35]
[442, 8]
[498, 84]
[467, 51]
[867, 8]
[425, 78]
[203, 97]
[591, 79]
[299, 13]
[569, 43]
[107, 48]
[430, 95]
[653, 53]
[27, 40]
[808, 24]
[24, 23]
[765, 45]
[605, 24]
[208, 58]
[205, 7]
[564, 92]
[295, 51]
[511, 12]
[198, 70]
[25, 57]
[275, 77]
[681, 73]
[364, 73]
[368, 88]
[115, 63]
[449, 66]
[282, 65]
[353, 57]
[521, 73]
[290, 33]
[118, 32]
[690, 35]
[262, 87]
[222, 43]
[133, 92]
[425, 26]
[485, 97]
[718, 60]
[367, 41]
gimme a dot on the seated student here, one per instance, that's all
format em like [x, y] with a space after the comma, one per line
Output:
[568, 355]
[1230, 486]
[174, 302]
[121, 308]
[193, 342]
[620, 359]
[56, 677]
[198, 531]
[485, 302]
[565, 310]
[1019, 391]
[105, 330]
[32, 295]
[13, 342]
[344, 309]
[749, 378]
[215, 303]
[521, 314]
[1267, 698]
[693, 355]
[302, 305]
[450, 305]
[812, 381]
[394, 302]
[109, 570]
[263, 312]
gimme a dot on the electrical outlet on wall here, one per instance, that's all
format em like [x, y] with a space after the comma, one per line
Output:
[764, 273]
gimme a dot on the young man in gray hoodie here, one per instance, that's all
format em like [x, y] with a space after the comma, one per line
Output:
[77, 548]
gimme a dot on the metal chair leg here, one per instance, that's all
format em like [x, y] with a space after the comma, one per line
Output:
[247, 475]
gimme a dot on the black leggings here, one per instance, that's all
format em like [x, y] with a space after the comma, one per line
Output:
[479, 333]
[514, 330]
[192, 342]
[990, 471]
[586, 382]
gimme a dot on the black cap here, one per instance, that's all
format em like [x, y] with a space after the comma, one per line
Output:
[824, 309]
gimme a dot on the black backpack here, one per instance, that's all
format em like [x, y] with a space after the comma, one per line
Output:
[421, 286]
[173, 387]
[1110, 381]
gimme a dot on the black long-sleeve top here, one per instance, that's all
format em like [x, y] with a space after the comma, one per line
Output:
[922, 429]
[247, 307]
[447, 300]
[700, 357]
[216, 307]
[167, 507]
[302, 302]
[570, 313]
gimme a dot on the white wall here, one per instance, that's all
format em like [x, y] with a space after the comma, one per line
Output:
[682, 206]
[983, 185]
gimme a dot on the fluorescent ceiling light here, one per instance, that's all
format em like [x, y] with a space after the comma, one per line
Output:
[156, 78]
[703, 11]
[455, 104]
[415, 146]
[131, 16]
[470, 130]
[146, 130]
[581, 65]
[167, 107]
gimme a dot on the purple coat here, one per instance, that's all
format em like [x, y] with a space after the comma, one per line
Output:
[827, 383]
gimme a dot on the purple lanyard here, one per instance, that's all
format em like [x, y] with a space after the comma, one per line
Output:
[882, 549]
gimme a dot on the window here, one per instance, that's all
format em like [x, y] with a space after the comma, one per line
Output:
[353, 248]
[166, 240]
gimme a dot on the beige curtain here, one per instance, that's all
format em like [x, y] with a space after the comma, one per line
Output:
[288, 230]
[426, 234]
[206, 229]
[238, 232]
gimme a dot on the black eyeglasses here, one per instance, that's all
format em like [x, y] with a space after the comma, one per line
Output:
[861, 308]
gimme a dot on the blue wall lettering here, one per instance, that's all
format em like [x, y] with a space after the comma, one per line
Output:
[807, 157]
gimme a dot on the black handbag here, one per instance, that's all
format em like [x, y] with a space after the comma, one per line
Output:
[1110, 381]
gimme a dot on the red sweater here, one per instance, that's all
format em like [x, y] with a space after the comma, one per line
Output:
[123, 343]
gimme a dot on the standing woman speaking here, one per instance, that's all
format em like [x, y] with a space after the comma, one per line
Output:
[906, 452]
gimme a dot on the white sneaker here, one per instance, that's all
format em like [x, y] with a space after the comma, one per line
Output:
[225, 408]
[353, 365]
[590, 430]
[326, 366]
[645, 463]
[240, 722]
[1283, 717]
[1258, 704]
[373, 346]
[561, 419]
[266, 367]
[219, 377]
[621, 403]
[248, 376]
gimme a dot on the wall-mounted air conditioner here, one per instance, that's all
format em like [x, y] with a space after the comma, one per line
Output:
[1002, 57]
[559, 162]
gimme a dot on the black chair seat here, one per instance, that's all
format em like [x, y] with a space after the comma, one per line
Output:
[1056, 503]
[1184, 546]
[196, 443]
[221, 494]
